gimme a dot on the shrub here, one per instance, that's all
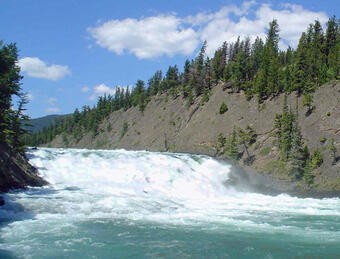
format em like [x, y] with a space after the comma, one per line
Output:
[265, 151]
[223, 108]
[316, 160]
[221, 140]
[323, 140]
[124, 129]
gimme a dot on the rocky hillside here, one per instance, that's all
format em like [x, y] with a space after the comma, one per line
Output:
[169, 123]
[15, 171]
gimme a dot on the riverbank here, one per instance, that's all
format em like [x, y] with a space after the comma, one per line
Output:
[15, 171]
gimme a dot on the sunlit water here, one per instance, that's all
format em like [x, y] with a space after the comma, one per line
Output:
[123, 204]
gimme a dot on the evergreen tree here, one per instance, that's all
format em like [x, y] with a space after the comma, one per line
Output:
[296, 153]
[232, 149]
[9, 86]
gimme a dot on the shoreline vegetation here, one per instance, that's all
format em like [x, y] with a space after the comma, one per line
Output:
[263, 108]
[15, 170]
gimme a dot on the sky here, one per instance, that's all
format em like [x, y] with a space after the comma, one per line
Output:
[72, 51]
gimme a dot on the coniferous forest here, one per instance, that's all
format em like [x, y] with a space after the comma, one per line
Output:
[11, 119]
[258, 68]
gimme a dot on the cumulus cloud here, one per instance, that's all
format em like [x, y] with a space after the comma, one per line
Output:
[35, 67]
[253, 21]
[148, 37]
[169, 35]
[103, 89]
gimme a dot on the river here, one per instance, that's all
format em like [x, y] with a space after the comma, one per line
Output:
[138, 204]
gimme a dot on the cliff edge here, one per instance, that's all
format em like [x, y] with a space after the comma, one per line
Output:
[15, 171]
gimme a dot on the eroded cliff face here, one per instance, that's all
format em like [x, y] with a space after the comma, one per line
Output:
[169, 123]
[15, 171]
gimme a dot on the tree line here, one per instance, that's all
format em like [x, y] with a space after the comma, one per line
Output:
[260, 69]
[11, 119]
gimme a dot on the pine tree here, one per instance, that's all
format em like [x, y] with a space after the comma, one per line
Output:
[9, 86]
[296, 152]
[232, 149]
[198, 79]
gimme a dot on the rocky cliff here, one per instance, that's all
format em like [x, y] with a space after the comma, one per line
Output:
[169, 123]
[15, 171]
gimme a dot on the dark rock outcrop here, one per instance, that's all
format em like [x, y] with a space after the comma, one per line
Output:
[15, 170]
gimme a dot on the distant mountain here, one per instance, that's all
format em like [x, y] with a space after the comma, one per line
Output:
[43, 122]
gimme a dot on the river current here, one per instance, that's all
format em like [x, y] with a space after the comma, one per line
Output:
[138, 204]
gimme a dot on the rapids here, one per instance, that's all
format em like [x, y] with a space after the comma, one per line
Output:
[118, 204]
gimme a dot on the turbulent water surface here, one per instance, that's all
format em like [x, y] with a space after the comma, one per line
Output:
[123, 204]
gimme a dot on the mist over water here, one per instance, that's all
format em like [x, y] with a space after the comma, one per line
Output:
[118, 204]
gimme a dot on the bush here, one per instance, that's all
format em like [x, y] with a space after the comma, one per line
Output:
[223, 108]
[221, 140]
[124, 129]
[316, 160]
[323, 140]
[265, 151]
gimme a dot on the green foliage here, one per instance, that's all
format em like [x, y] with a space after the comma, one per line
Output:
[232, 146]
[109, 127]
[223, 108]
[323, 140]
[124, 129]
[265, 151]
[276, 166]
[307, 101]
[65, 140]
[308, 177]
[221, 141]
[12, 122]
[290, 143]
[316, 160]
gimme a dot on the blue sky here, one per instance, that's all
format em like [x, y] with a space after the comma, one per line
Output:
[73, 51]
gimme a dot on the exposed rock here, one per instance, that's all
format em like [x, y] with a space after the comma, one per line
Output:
[15, 171]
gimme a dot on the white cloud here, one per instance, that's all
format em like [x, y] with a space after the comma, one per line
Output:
[292, 19]
[52, 101]
[253, 21]
[35, 67]
[148, 37]
[52, 110]
[102, 89]
[169, 34]
[85, 89]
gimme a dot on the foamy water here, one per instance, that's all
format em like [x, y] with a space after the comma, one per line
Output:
[105, 203]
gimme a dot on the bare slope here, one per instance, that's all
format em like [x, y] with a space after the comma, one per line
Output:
[168, 123]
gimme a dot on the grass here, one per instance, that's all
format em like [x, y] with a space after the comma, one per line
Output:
[265, 151]
[277, 167]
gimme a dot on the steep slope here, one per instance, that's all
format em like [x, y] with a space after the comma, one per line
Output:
[15, 171]
[169, 123]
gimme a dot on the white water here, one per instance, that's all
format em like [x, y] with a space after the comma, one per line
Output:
[167, 189]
